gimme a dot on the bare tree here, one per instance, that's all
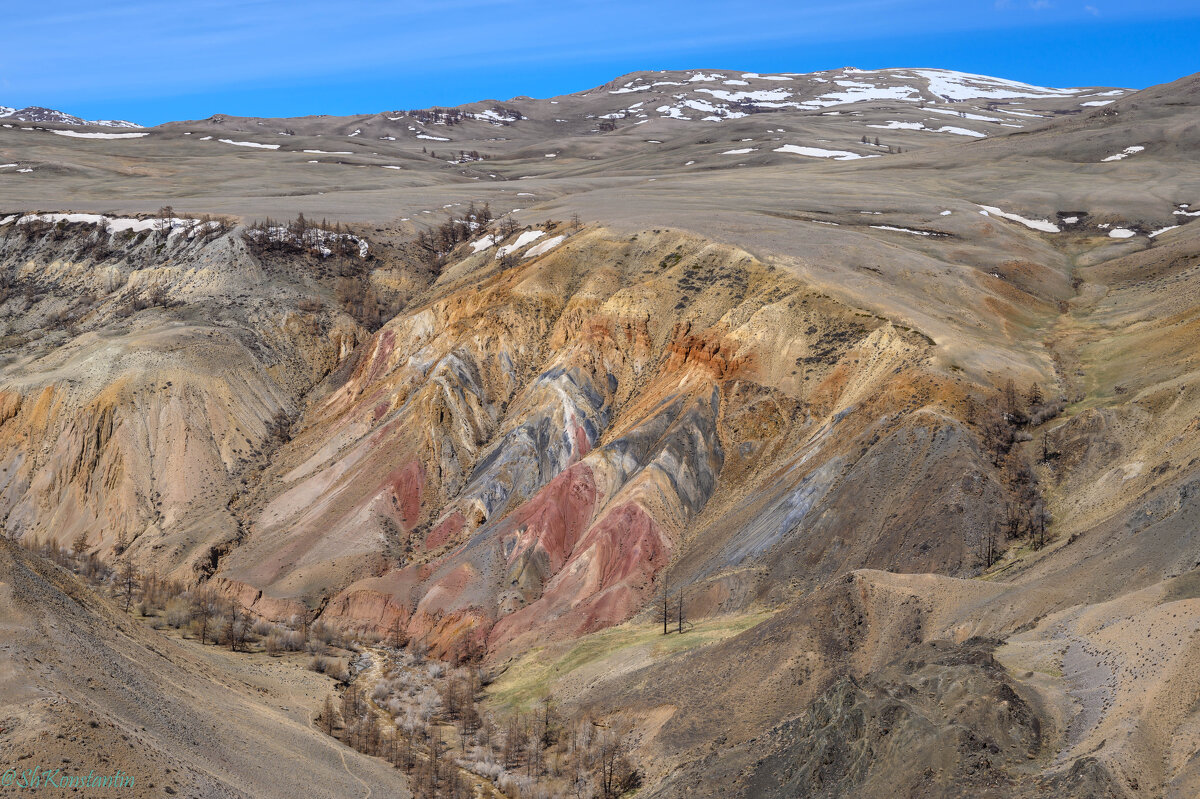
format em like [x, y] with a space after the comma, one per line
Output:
[202, 613]
[166, 216]
[128, 582]
[989, 546]
[237, 626]
[680, 610]
[328, 717]
[615, 775]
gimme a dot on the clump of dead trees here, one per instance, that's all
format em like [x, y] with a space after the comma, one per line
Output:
[196, 611]
[427, 718]
[93, 240]
[301, 236]
[1003, 424]
[423, 716]
[440, 240]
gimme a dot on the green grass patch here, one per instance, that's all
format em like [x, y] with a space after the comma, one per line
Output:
[533, 675]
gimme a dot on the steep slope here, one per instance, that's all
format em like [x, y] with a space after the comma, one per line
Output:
[84, 688]
[143, 380]
[684, 402]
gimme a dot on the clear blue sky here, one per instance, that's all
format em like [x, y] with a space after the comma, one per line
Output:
[157, 61]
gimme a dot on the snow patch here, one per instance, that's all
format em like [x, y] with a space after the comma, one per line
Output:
[903, 230]
[249, 144]
[960, 131]
[487, 242]
[545, 247]
[1128, 151]
[77, 135]
[965, 86]
[817, 152]
[524, 240]
[1044, 225]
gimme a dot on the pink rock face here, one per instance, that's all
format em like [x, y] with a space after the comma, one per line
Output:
[552, 522]
[406, 485]
[603, 583]
[446, 530]
[377, 603]
[581, 440]
[379, 360]
[258, 603]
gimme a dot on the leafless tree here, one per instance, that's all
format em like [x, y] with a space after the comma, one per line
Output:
[202, 613]
[128, 582]
[166, 215]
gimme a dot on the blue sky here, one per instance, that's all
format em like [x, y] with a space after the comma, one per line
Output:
[155, 61]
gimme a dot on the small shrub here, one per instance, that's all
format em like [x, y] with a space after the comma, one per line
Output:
[178, 611]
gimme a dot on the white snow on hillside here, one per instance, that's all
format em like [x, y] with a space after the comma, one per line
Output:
[249, 144]
[903, 230]
[759, 96]
[524, 240]
[897, 125]
[545, 247]
[484, 243]
[112, 224]
[1128, 151]
[855, 92]
[37, 114]
[1044, 225]
[817, 152]
[965, 86]
[79, 135]
[844, 87]
[961, 131]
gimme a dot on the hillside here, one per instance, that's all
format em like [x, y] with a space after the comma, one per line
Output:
[86, 687]
[906, 430]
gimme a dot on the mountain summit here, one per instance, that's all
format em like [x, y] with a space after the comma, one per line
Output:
[36, 113]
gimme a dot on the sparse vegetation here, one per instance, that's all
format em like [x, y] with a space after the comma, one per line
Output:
[1003, 425]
